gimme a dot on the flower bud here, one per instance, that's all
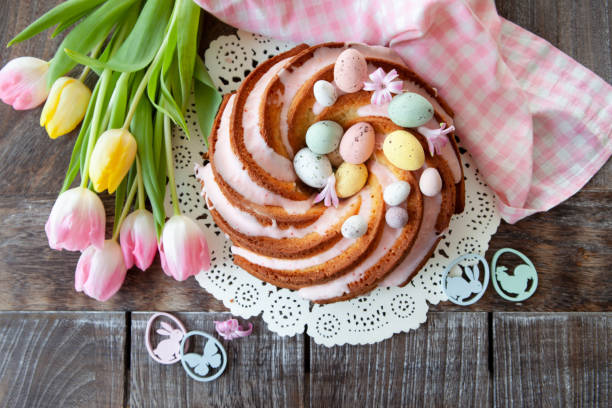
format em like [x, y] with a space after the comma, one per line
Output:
[111, 159]
[138, 239]
[77, 221]
[100, 272]
[23, 82]
[183, 248]
[65, 106]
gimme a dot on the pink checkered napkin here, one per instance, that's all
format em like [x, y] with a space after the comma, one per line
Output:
[538, 124]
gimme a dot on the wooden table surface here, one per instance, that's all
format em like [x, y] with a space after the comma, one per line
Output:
[60, 348]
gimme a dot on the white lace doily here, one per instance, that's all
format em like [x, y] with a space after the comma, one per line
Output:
[367, 319]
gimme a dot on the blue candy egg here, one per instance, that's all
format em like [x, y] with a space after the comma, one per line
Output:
[324, 137]
[410, 110]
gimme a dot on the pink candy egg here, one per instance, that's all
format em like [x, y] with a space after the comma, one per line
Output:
[350, 71]
[396, 217]
[430, 182]
[357, 144]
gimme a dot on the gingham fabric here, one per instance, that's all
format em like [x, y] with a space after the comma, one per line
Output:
[538, 124]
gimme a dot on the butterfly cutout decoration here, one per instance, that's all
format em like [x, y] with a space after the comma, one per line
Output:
[208, 365]
[201, 362]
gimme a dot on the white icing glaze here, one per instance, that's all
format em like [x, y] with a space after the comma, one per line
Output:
[318, 259]
[228, 167]
[340, 286]
[273, 163]
[426, 238]
[247, 224]
[322, 58]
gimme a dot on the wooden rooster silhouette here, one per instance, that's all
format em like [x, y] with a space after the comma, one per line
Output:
[518, 281]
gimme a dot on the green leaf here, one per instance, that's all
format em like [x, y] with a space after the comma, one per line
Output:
[118, 102]
[61, 27]
[187, 47]
[120, 194]
[140, 47]
[207, 99]
[60, 14]
[143, 129]
[81, 142]
[87, 34]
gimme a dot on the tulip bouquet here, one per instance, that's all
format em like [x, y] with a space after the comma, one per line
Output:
[143, 54]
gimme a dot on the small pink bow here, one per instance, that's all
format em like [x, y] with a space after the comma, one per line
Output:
[328, 194]
[230, 329]
[436, 138]
[383, 85]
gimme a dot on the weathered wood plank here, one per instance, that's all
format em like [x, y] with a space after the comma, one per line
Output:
[552, 360]
[62, 359]
[443, 363]
[263, 369]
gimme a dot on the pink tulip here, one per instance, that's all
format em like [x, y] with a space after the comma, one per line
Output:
[23, 82]
[77, 221]
[138, 239]
[183, 249]
[100, 272]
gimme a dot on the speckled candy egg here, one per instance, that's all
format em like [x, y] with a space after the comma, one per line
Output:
[350, 71]
[335, 158]
[410, 110]
[323, 137]
[396, 193]
[357, 144]
[313, 169]
[430, 182]
[403, 150]
[324, 93]
[354, 227]
[396, 217]
[350, 178]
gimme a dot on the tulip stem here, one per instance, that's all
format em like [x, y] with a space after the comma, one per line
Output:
[126, 209]
[95, 124]
[93, 54]
[141, 190]
[170, 164]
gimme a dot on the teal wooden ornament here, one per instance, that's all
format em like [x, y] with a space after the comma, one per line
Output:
[466, 292]
[207, 366]
[517, 283]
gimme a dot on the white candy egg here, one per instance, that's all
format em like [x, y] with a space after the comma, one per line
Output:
[313, 169]
[354, 227]
[430, 182]
[396, 193]
[325, 93]
[396, 217]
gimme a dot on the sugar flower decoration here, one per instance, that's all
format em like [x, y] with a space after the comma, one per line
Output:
[436, 138]
[383, 85]
[230, 329]
[328, 194]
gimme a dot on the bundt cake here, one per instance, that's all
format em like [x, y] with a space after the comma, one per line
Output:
[333, 170]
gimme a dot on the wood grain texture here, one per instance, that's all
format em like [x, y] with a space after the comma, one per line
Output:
[443, 363]
[552, 360]
[62, 359]
[569, 245]
[263, 369]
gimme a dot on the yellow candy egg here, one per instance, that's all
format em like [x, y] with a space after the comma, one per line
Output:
[350, 178]
[403, 150]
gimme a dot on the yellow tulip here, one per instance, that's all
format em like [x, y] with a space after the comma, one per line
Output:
[65, 106]
[111, 159]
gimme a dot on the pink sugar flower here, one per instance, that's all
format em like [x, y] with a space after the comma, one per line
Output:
[230, 329]
[100, 272]
[23, 82]
[183, 248]
[77, 220]
[436, 138]
[328, 195]
[383, 85]
[138, 239]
